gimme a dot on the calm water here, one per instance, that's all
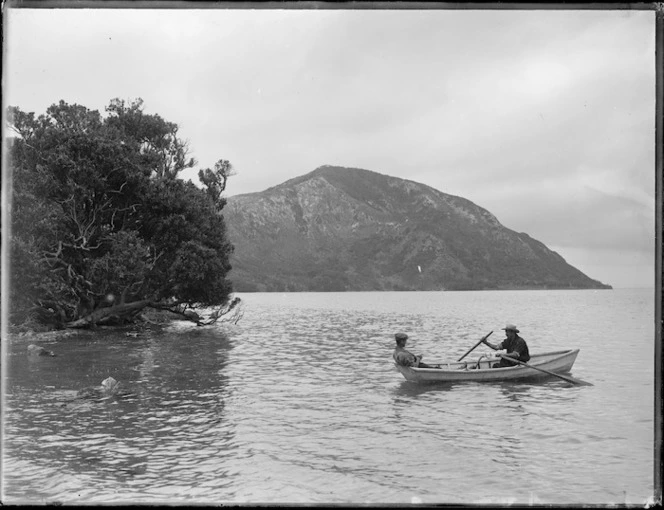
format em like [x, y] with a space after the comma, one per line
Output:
[300, 403]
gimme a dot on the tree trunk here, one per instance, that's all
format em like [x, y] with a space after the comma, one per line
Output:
[105, 313]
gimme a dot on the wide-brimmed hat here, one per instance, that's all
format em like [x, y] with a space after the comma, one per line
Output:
[401, 336]
[511, 327]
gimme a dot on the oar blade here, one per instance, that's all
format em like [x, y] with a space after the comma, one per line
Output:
[574, 380]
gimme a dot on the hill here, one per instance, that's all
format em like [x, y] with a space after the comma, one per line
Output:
[348, 229]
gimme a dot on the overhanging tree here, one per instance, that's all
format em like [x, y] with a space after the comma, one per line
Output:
[102, 225]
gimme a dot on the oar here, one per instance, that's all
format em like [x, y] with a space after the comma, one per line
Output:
[473, 347]
[563, 377]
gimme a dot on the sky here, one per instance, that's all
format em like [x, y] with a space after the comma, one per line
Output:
[546, 118]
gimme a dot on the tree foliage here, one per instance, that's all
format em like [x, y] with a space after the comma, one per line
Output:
[101, 219]
[215, 180]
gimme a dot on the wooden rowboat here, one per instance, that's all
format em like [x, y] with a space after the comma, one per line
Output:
[480, 369]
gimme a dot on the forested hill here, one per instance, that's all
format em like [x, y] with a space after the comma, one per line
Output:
[338, 229]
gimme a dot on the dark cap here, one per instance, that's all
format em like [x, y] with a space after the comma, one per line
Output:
[401, 336]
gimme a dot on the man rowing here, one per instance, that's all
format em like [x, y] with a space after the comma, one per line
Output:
[516, 347]
[405, 358]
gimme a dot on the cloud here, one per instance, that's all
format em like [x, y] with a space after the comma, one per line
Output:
[583, 217]
[622, 268]
[545, 118]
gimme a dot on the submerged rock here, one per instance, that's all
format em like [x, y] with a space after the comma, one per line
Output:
[108, 388]
[36, 350]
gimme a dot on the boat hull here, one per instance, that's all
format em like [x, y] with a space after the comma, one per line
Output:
[479, 370]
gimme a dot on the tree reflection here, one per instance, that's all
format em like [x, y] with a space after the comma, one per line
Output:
[168, 428]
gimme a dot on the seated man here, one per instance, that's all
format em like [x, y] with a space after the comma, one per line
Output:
[405, 358]
[516, 347]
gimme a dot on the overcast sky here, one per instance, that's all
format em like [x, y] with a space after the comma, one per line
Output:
[545, 118]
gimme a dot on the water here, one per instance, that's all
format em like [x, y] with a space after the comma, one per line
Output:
[300, 403]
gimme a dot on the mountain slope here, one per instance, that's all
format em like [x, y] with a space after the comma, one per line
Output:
[337, 229]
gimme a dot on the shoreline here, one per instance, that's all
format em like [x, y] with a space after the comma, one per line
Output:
[147, 320]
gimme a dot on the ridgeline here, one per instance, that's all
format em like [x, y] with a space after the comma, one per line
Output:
[347, 229]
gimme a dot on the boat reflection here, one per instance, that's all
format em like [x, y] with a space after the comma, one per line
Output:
[414, 390]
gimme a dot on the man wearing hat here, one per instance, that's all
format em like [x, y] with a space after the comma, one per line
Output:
[403, 357]
[515, 346]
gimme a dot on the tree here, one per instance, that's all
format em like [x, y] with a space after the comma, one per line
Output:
[215, 181]
[163, 151]
[102, 226]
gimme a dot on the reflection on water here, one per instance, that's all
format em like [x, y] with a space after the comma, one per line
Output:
[300, 403]
[409, 389]
[171, 407]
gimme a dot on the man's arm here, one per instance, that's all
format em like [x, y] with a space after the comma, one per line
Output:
[519, 349]
[407, 359]
[495, 347]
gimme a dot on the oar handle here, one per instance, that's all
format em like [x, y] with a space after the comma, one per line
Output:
[473, 347]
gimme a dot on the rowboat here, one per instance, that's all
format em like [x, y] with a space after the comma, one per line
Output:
[558, 362]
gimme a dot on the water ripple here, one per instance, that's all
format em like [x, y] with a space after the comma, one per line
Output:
[300, 403]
